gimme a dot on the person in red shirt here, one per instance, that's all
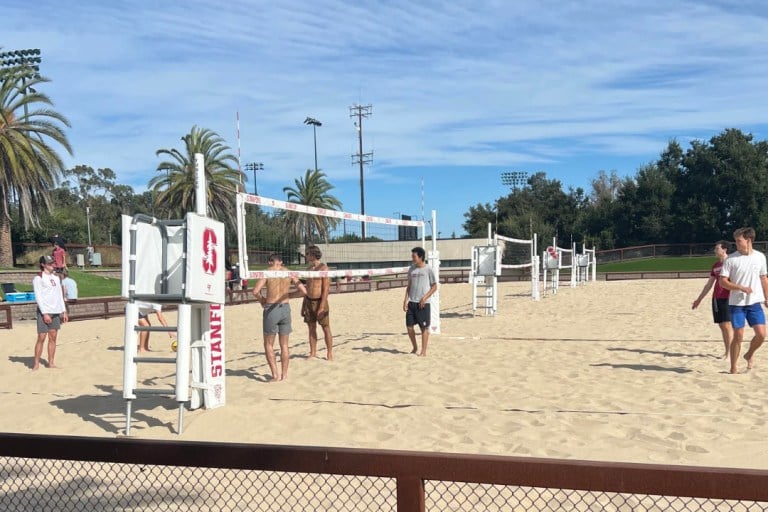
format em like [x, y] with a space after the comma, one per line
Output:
[720, 311]
[59, 257]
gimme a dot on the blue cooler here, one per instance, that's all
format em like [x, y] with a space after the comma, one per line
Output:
[16, 296]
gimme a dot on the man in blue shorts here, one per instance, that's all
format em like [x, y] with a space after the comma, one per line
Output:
[744, 274]
[421, 286]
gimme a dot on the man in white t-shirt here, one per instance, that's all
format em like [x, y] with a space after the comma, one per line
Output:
[51, 310]
[744, 274]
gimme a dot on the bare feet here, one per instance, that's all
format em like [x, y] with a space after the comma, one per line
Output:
[36, 365]
[415, 351]
[53, 366]
[329, 357]
[748, 357]
[725, 355]
[422, 354]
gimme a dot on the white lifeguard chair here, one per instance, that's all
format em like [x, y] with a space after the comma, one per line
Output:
[485, 269]
[178, 262]
[551, 265]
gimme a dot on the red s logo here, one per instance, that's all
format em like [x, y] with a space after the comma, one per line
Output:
[209, 251]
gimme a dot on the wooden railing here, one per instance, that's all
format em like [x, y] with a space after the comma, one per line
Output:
[422, 480]
[8, 324]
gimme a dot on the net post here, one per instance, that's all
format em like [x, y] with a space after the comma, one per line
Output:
[434, 263]
[242, 243]
[200, 195]
[574, 266]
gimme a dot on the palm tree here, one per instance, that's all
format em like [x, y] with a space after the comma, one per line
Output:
[29, 129]
[312, 190]
[175, 187]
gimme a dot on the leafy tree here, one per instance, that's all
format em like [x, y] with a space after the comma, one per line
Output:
[311, 190]
[174, 186]
[29, 132]
[477, 219]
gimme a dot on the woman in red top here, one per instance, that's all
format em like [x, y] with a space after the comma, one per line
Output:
[720, 312]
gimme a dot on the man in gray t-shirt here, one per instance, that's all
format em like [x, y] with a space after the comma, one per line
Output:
[421, 285]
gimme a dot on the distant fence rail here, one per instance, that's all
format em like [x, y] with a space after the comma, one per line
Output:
[77, 473]
[658, 250]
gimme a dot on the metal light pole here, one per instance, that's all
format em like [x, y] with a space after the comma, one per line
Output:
[88, 221]
[29, 63]
[254, 166]
[315, 123]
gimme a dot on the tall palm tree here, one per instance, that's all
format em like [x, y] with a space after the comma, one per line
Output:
[175, 185]
[311, 190]
[30, 165]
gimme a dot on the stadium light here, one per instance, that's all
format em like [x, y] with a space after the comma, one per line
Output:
[254, 166]
[514, 179]
[315, 123]
[28, 62]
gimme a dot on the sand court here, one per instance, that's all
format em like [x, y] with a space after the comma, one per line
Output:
[619, 371]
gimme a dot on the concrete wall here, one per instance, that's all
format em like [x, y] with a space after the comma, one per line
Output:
[364, 252]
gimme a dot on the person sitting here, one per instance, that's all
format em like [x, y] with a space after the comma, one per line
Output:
[70, 287]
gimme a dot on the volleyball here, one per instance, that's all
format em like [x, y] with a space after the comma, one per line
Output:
[174, 345]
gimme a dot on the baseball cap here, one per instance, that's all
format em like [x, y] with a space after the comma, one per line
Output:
[46, 260]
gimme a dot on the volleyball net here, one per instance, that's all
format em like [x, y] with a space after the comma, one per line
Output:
[353, 246]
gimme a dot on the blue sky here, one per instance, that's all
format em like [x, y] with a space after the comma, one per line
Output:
[461, 91]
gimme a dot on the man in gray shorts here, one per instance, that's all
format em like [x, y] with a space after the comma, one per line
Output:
[51, 310]
[277, 315]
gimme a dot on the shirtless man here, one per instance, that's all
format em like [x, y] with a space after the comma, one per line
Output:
[277, 315]
[314, 309]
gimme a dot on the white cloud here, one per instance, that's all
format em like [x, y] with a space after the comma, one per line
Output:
[483, 83]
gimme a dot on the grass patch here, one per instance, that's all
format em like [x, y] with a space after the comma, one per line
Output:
[88, 285]
[667, 264]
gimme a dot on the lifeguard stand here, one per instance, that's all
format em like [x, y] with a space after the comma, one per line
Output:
[486, 266]
[177, 262]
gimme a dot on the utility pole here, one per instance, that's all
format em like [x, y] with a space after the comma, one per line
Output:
[361, 111]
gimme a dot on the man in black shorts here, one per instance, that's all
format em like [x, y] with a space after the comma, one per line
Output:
[720, 310]
[421, 285]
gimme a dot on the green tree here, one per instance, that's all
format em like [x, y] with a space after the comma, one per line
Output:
[29, 132]
[175, 184]
[311, 190]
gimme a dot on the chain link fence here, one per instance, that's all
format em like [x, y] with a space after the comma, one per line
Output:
[73, 486]
[461, 497]
[70, 486]
[62, 474]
